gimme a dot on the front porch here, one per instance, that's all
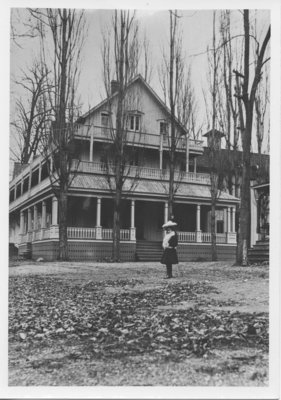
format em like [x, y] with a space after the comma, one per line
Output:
[90, 218]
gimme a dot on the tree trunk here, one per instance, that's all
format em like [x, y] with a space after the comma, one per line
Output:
[63, 244]
[116, 227]
[214, 191]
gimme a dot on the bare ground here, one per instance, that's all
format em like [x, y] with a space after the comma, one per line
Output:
[122, 324]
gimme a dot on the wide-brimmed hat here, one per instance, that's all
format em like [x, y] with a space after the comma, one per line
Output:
[169, 224]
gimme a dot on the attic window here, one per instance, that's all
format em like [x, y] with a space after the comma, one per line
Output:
[104, 119]
[163, 128]
[134, 123]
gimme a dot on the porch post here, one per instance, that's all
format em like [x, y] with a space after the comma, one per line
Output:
[54, 210]
[98, 226]
[187, 154]
[166, 212]
[29, 179]
[228, 220]
[132, 228]
[29, 220]
[91, 146]
[54, 232]
[233, 218]
[225, 226]
[21, 187]
[43, 219]
[40, 172]
[161, 152]
[35, 217]
[21, 222]
[198, 224]
[44, 214]
[35, 221]
[195, 165]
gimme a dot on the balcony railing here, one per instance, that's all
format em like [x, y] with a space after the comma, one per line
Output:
[142, 172]
[102, 133]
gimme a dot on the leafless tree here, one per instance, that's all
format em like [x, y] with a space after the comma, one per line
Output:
[31, 113]
[248, 82]
[177, 92]
[215, 157]
[120, 54]
[65, 31]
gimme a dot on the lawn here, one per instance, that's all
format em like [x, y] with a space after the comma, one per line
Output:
[122, 324]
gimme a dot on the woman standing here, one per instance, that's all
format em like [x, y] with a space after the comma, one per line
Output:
[169, 245]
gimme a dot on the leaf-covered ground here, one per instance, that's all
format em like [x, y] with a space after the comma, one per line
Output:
[122, 324]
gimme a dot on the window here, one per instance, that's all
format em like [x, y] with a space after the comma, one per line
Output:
[104, 122]
[163, 128]
[134, 123]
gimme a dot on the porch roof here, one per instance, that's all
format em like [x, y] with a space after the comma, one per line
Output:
[150, 187]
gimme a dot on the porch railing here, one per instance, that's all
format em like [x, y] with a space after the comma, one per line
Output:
[187, 236]
[81, 233]
[103, 133]
[142, 172]
[107, 234]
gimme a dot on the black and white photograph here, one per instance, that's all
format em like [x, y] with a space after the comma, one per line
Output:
[143, 229]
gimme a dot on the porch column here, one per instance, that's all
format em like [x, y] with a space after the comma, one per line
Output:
[195, 165]
[225, 226]
[233, 218]
[132, 228]
[98, 226]
[54, 210]
[21, 222]
[29, 220]
[198, 230]
[44, 214]
[21, 187]
[91, 146]
[228, 220]
[161, 152]
[35, 217]
[187, 154]
[40, 172]
[29, 179]
[166, 212]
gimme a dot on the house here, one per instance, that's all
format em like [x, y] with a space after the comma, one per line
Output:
[34, 210]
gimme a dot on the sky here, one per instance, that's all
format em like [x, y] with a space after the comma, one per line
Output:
[196, 28]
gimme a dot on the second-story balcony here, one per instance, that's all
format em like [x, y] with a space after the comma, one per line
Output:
[143, 139]
[142, 172]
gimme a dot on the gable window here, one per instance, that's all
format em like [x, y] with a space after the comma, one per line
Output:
[104, 121]
[164, 128]
[134, 123]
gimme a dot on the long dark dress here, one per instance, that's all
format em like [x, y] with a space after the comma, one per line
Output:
[169, 255]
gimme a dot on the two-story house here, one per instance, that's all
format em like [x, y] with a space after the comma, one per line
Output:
[34, 212]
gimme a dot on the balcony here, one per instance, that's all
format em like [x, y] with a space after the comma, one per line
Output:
[142, 172]
[139, 139]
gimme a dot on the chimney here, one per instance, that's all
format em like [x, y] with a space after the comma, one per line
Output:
[114, 86]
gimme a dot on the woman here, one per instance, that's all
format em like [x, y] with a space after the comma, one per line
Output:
[169, 245]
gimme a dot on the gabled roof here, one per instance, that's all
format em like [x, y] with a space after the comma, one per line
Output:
[140, 79]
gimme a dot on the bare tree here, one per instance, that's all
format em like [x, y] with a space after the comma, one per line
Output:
[31, 113]
[120, 63]
[65, 30]
[247, 93]
[177, 94]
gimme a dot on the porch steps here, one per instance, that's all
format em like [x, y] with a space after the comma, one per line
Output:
[148, 250]
[259, 252]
